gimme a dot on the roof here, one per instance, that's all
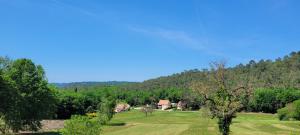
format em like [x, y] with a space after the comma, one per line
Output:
[182, 103]
[164, 102]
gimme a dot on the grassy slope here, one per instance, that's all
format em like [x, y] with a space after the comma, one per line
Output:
[193, 123]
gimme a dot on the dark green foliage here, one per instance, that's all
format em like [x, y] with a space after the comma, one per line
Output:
[71, 103]
[26, 97]
[291, 111]
[6, 95]
[269, 100]
[81, 102]
[81, 125]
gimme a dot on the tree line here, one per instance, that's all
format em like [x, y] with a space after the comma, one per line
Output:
[272, 84]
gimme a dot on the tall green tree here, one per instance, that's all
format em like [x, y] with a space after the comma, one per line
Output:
[34, 101]
[106, 110]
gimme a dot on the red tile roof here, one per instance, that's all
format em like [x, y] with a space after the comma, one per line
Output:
[164, 102]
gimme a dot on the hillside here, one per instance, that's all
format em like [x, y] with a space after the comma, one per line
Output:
[282, 72]
[87, 85]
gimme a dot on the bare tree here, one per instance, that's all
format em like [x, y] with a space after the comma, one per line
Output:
[147, 110]
[221, 93]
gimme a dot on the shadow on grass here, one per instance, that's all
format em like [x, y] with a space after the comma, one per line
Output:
[116, 124]
[43, 133]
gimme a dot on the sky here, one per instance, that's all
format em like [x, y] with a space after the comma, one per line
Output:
[136, 40]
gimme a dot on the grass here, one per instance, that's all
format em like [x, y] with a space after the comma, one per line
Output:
[193, 123]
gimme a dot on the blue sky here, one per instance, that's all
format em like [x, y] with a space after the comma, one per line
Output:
[135, 40]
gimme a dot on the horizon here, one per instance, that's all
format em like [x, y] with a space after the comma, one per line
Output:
[100, 41]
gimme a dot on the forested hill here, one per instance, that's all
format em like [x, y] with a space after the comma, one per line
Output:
[89, 85]
[282, 72]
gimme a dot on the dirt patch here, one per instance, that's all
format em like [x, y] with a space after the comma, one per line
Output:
[47, 126]
[50, 125]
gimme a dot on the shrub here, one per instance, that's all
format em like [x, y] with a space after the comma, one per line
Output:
[81, 125]
[71, 103]
[264, 100]
[270, 100]
[297, 109]
[284, 113]
[290, 112]
[4, 129]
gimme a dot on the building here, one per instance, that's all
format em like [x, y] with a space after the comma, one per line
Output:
[181, 105]
[122, 107]
[164, 104]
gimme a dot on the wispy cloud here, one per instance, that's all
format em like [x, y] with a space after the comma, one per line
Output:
[180, 37]
[176, 37]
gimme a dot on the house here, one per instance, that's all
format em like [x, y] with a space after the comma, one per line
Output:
[181, 105]
[164, 104]
[122, 107]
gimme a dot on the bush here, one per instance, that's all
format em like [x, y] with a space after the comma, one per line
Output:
[290, 112]
[270, 100]
[284, 113]
[81, 125]
[4, 129]
[297, 109]
[71, 103]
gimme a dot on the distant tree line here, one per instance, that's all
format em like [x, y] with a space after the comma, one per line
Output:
[82, 101]
[268, 82]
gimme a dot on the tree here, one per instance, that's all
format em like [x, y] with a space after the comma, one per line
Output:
[147, 110]
[221, 94]
[33, 99]
[7, 96]
[106, 110]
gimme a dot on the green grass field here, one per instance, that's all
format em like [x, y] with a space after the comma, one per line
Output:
[194, 123]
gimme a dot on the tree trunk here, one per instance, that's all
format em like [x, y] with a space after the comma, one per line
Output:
[224, 125]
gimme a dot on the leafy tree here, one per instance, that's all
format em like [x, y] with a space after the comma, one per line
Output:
[33, 99]
[221, 95]
[106, 110]
[270, 100]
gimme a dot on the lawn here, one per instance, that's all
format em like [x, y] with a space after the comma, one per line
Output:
[194, 123]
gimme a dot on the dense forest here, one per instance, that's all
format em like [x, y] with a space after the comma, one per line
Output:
[272, 84]
[280, 73]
